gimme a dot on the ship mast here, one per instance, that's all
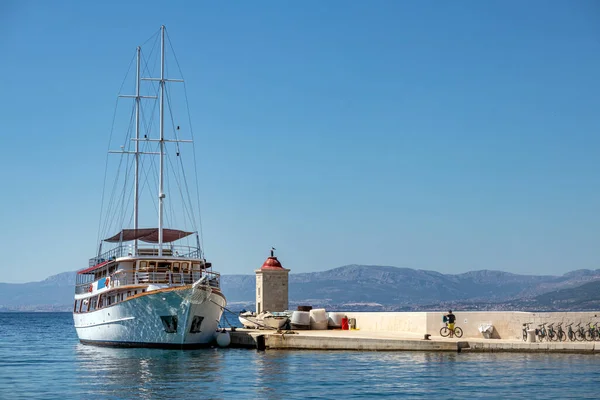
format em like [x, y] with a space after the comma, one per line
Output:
[161, 140]
[161, 194]
[137, 150]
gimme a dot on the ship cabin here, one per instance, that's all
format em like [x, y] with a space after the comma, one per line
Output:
[125, 272]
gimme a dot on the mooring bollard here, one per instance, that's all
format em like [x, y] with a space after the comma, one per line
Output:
[260, 343]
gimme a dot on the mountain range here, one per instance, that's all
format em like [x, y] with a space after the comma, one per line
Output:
[368, 287]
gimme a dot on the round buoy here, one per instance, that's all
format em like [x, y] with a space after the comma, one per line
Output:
[223, 338]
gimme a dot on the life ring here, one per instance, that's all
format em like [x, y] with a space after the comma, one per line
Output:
[107, 281]
[90, 288]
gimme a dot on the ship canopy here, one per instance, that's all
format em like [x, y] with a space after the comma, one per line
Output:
[148, 235]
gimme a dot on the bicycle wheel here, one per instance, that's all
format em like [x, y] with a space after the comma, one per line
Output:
[572, 337]
[444, 331]
[552, 336]
[458, 332]
[589, 335]
[561, 336]
[579, 335]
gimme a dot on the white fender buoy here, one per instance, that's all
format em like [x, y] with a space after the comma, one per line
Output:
[223, 338]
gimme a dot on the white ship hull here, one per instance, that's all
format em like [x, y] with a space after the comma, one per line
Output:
[137, 322]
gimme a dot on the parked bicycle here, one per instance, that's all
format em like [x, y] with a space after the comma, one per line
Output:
[560, 334]
[592, 332]
[551, 333]
[571, 333]
[445, 331]
[580, 332]
[541, 332]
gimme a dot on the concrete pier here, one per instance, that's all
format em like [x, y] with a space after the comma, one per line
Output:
[385, 331]
[387, 341]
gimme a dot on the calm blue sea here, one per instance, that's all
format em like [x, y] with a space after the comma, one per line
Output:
[40, 357]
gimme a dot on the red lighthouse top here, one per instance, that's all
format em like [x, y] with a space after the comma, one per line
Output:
[272, 262]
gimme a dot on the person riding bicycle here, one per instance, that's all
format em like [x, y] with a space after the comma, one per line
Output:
[450, 318]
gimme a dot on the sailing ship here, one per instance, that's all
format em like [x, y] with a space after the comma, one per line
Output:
[149, 287]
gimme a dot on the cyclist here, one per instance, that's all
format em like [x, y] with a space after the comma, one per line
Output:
[450, 318]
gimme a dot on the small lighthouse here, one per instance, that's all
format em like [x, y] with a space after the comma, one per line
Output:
[271, 286]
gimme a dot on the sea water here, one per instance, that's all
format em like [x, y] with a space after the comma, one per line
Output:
[40, 357]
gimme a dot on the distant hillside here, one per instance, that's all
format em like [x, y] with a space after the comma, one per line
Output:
[391, 285]
[365, 287]
[54, 293]
[584, 297]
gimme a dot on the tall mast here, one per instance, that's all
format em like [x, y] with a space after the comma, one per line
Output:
[138, 97]
[137, 150]
[161, 194]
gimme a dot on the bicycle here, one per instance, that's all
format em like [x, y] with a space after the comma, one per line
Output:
[571, 333]
[580, 332]
[560, 334]
[541, 332]
[445, 331]
[551, 333]
[525, 329]
[592, 332]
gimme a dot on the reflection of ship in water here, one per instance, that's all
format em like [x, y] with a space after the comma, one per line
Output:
[108, 371]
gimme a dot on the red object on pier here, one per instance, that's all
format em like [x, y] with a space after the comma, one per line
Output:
[345, 325]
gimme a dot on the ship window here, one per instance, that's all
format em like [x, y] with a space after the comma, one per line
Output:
[100, 300]
[163, 266]
[196, 322]
[134, 292]
[129, 293]
[152, 266]
[185, 266]
[196, 266]
[75, 306]
[143, 265]
[169, 323]
[175, 267]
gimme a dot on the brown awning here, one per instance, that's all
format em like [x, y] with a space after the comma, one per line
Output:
[149, 235]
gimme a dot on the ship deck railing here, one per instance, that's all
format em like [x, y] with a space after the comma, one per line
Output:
[146, 250]
[124, 278]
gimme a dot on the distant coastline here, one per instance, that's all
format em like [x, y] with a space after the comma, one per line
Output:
[368, 288]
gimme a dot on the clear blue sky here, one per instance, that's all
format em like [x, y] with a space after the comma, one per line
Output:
[449, 136]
